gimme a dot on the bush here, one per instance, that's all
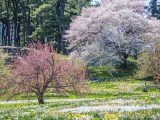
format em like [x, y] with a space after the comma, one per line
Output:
[4, 71]
[150, 63]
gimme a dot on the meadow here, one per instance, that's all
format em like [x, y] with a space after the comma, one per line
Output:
[115, 100]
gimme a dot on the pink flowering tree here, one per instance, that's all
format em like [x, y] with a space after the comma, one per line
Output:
[73, 75]
[41, 68]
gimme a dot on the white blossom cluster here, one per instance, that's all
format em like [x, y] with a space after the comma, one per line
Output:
[111, 32]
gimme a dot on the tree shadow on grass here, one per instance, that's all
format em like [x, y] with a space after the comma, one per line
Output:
[111, 73]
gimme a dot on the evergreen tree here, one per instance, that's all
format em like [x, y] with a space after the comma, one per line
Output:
[24, 21]
[153, 8]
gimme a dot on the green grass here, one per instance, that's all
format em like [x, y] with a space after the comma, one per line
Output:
[104, 93]
[109, 73]
[116, 89]
[121, 86]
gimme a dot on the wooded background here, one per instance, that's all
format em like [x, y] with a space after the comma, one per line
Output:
[24, 21]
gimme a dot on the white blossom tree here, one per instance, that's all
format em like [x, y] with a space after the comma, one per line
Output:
[111, 32]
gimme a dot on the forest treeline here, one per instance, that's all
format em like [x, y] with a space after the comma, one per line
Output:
[24, 21]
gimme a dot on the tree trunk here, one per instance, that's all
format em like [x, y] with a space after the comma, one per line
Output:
[60, 13]
[28, 29]
[18, 36]
[40, 97]
[3, 32]
[7, 41]
[15, 29]
[124, 64]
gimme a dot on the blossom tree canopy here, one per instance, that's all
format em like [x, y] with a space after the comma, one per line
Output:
[41, 68]
[108, 34]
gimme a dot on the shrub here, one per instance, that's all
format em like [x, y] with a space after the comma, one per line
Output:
[4, 69]
[150, 63]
